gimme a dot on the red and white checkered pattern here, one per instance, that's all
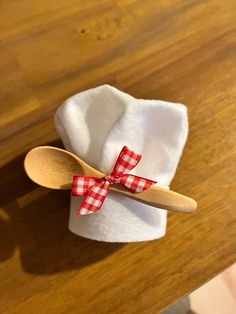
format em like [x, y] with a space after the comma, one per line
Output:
[96, 189]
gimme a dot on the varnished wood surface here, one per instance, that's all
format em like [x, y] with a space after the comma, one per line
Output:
[182, 51]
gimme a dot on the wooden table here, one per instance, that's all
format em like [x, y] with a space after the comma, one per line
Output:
[181, 51]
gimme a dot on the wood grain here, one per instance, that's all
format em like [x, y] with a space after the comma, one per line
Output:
[181, 51]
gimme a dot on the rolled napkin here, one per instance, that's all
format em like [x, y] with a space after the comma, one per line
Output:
[95, 125]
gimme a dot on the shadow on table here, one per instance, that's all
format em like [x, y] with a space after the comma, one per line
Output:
[36, 220]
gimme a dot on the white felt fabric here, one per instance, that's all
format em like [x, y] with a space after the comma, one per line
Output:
[95, 125]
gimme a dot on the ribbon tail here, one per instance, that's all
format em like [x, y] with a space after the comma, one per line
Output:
[94, 199]
[136, 184]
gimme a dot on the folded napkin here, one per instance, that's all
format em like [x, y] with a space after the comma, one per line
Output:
[95, 125]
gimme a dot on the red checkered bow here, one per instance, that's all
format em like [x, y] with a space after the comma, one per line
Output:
[96, 189]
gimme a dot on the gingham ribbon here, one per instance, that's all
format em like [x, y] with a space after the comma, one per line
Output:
[96, 189]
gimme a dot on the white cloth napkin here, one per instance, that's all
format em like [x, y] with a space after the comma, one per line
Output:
[95, 125]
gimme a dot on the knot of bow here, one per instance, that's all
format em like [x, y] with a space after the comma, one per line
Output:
[96, 189]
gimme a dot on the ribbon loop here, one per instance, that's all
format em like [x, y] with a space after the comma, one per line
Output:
[125, 162]
[96, 189]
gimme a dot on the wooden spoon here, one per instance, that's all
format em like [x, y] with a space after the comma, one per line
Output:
[54, 168]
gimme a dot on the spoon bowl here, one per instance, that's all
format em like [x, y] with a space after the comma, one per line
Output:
[54, 168]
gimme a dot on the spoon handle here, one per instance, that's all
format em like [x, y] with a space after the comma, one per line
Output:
[157, 197]
[160, 197]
